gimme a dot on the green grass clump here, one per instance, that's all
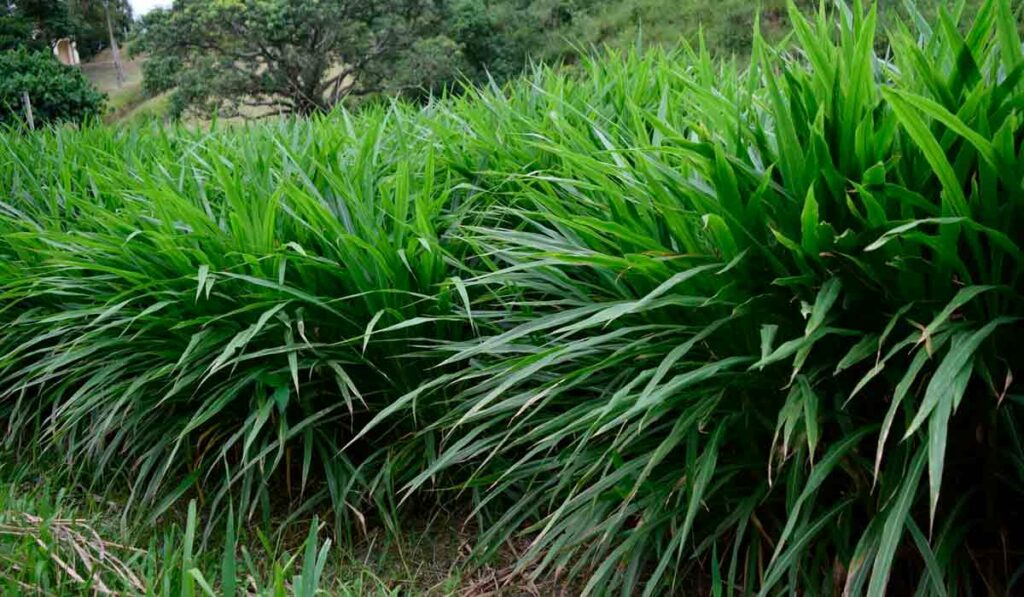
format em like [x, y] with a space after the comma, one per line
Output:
[222, 310]
[685, 325]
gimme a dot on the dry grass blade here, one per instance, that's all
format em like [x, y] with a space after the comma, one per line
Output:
[77, 550]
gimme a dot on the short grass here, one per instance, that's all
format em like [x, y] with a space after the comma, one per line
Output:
[57, 537]
[126, 100]
[149, 109]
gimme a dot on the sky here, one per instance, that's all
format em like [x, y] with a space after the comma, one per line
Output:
[141, 7]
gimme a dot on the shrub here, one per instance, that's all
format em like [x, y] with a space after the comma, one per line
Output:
[687, 326]
[58, 93]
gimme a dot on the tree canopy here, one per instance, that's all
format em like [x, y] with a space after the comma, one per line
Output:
[277, 56]
[36, 24]
[33, 24]
[27, 65]
[260, 57]
[90, 20]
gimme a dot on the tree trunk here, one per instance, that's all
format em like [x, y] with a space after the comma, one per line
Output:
[115, 52]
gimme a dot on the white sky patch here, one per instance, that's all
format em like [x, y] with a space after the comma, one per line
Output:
[141, 7]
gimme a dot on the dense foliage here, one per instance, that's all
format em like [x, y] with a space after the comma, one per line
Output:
[681, 322]
[37, 24]
[290, 56]
[27, 65]
[89, 22]
[208, 52]
[57, 93]
[15, 30]
[278, 56]
[33, 23]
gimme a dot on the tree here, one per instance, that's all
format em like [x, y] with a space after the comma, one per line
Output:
[58, 93]
[38, 23]
[34, 24]
[90, 17]
[262, 57]
[499, 37]
[15, 30]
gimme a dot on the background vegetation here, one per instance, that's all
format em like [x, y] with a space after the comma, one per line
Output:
[27, 65]
[255, 60]
[38, 23]
[660, 322]
[284, 56]
[57, 93]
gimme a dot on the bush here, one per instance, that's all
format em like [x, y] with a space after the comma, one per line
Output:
[58, 93]
[686, 326]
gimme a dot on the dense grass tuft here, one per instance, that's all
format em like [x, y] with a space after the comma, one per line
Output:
[683, 324]
[196, 311]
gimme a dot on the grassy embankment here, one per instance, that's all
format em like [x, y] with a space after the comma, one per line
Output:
[127, 101]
